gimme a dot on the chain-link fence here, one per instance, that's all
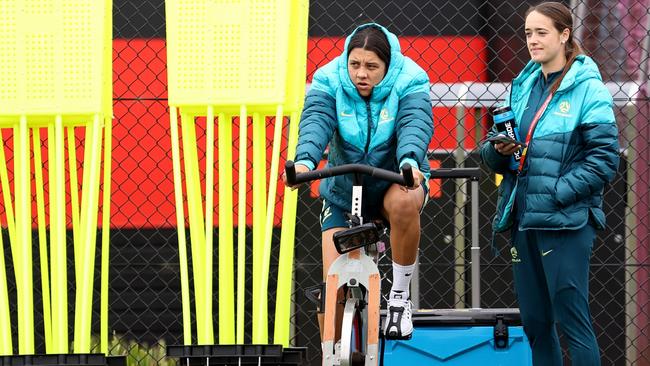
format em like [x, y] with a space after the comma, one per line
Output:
[471, 50]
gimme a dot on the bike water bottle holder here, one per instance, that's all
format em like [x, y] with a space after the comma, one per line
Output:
[356, 237]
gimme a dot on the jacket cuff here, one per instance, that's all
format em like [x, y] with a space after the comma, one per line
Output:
[411, 162]
[307, 163]
[495, 156]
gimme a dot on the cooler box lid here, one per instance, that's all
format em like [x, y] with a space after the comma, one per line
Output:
[474, 317]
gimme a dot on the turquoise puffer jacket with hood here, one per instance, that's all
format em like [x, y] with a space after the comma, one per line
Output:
[572, 155]
[394, 126]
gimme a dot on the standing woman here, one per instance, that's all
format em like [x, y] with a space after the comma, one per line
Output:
[553, 202]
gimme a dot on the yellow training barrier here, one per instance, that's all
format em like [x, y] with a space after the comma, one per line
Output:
[226, 250]
[5, 320]
[23, 254]
[227, 58]
[42, 239]
[260, 321]
[241, 224]
[55, 69]
[295, 99]
[6, 343]
[106, 222]
[180, 220]
[58, 249]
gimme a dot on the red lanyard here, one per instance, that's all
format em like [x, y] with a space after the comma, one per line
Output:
[529, 136]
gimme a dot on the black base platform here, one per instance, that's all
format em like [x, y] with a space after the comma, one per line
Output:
[75, 359]
[242, 354]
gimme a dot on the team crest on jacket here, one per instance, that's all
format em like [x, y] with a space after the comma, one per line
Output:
[564, 106]
[515, 255]
[384, 116]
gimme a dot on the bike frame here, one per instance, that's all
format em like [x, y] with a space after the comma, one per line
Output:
[355, 269]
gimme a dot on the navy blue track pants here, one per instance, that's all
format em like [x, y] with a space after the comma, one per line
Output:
[551, 273]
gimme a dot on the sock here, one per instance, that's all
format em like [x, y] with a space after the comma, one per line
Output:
[401, 280]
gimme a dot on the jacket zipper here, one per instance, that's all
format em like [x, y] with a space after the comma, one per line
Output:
[369, 126]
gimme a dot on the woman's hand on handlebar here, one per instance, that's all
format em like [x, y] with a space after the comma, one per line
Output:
[299, 169]
[417, 179]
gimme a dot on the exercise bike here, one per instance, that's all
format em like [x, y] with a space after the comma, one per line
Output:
[355, 272]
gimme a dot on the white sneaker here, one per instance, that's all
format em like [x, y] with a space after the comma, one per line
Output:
[398, 323]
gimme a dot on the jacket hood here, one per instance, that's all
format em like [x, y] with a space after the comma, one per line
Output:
[583, 68]
[381, 90]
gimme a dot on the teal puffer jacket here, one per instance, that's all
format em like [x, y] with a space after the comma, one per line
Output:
[393, 127]
[573, 153]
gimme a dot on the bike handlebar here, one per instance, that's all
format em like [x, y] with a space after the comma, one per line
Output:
[405, 179]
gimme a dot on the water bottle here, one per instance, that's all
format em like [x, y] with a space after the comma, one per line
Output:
[504, 120]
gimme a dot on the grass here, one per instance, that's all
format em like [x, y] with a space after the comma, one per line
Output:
[137, 354]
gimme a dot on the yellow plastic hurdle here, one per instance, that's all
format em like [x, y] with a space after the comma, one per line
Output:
[294, 103]
[234, 58]
[55, 79]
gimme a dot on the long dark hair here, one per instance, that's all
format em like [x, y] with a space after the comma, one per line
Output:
[373, 39]
[562, 19]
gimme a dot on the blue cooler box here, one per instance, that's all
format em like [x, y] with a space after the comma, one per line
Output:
[491, 337]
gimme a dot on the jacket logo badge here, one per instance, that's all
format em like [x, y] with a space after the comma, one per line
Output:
[515, 255]
[565, 107]
[384, 116]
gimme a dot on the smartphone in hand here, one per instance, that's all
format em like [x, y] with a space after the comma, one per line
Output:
[506, 140]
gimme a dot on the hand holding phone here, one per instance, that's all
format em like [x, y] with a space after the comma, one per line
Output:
[505, 140]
